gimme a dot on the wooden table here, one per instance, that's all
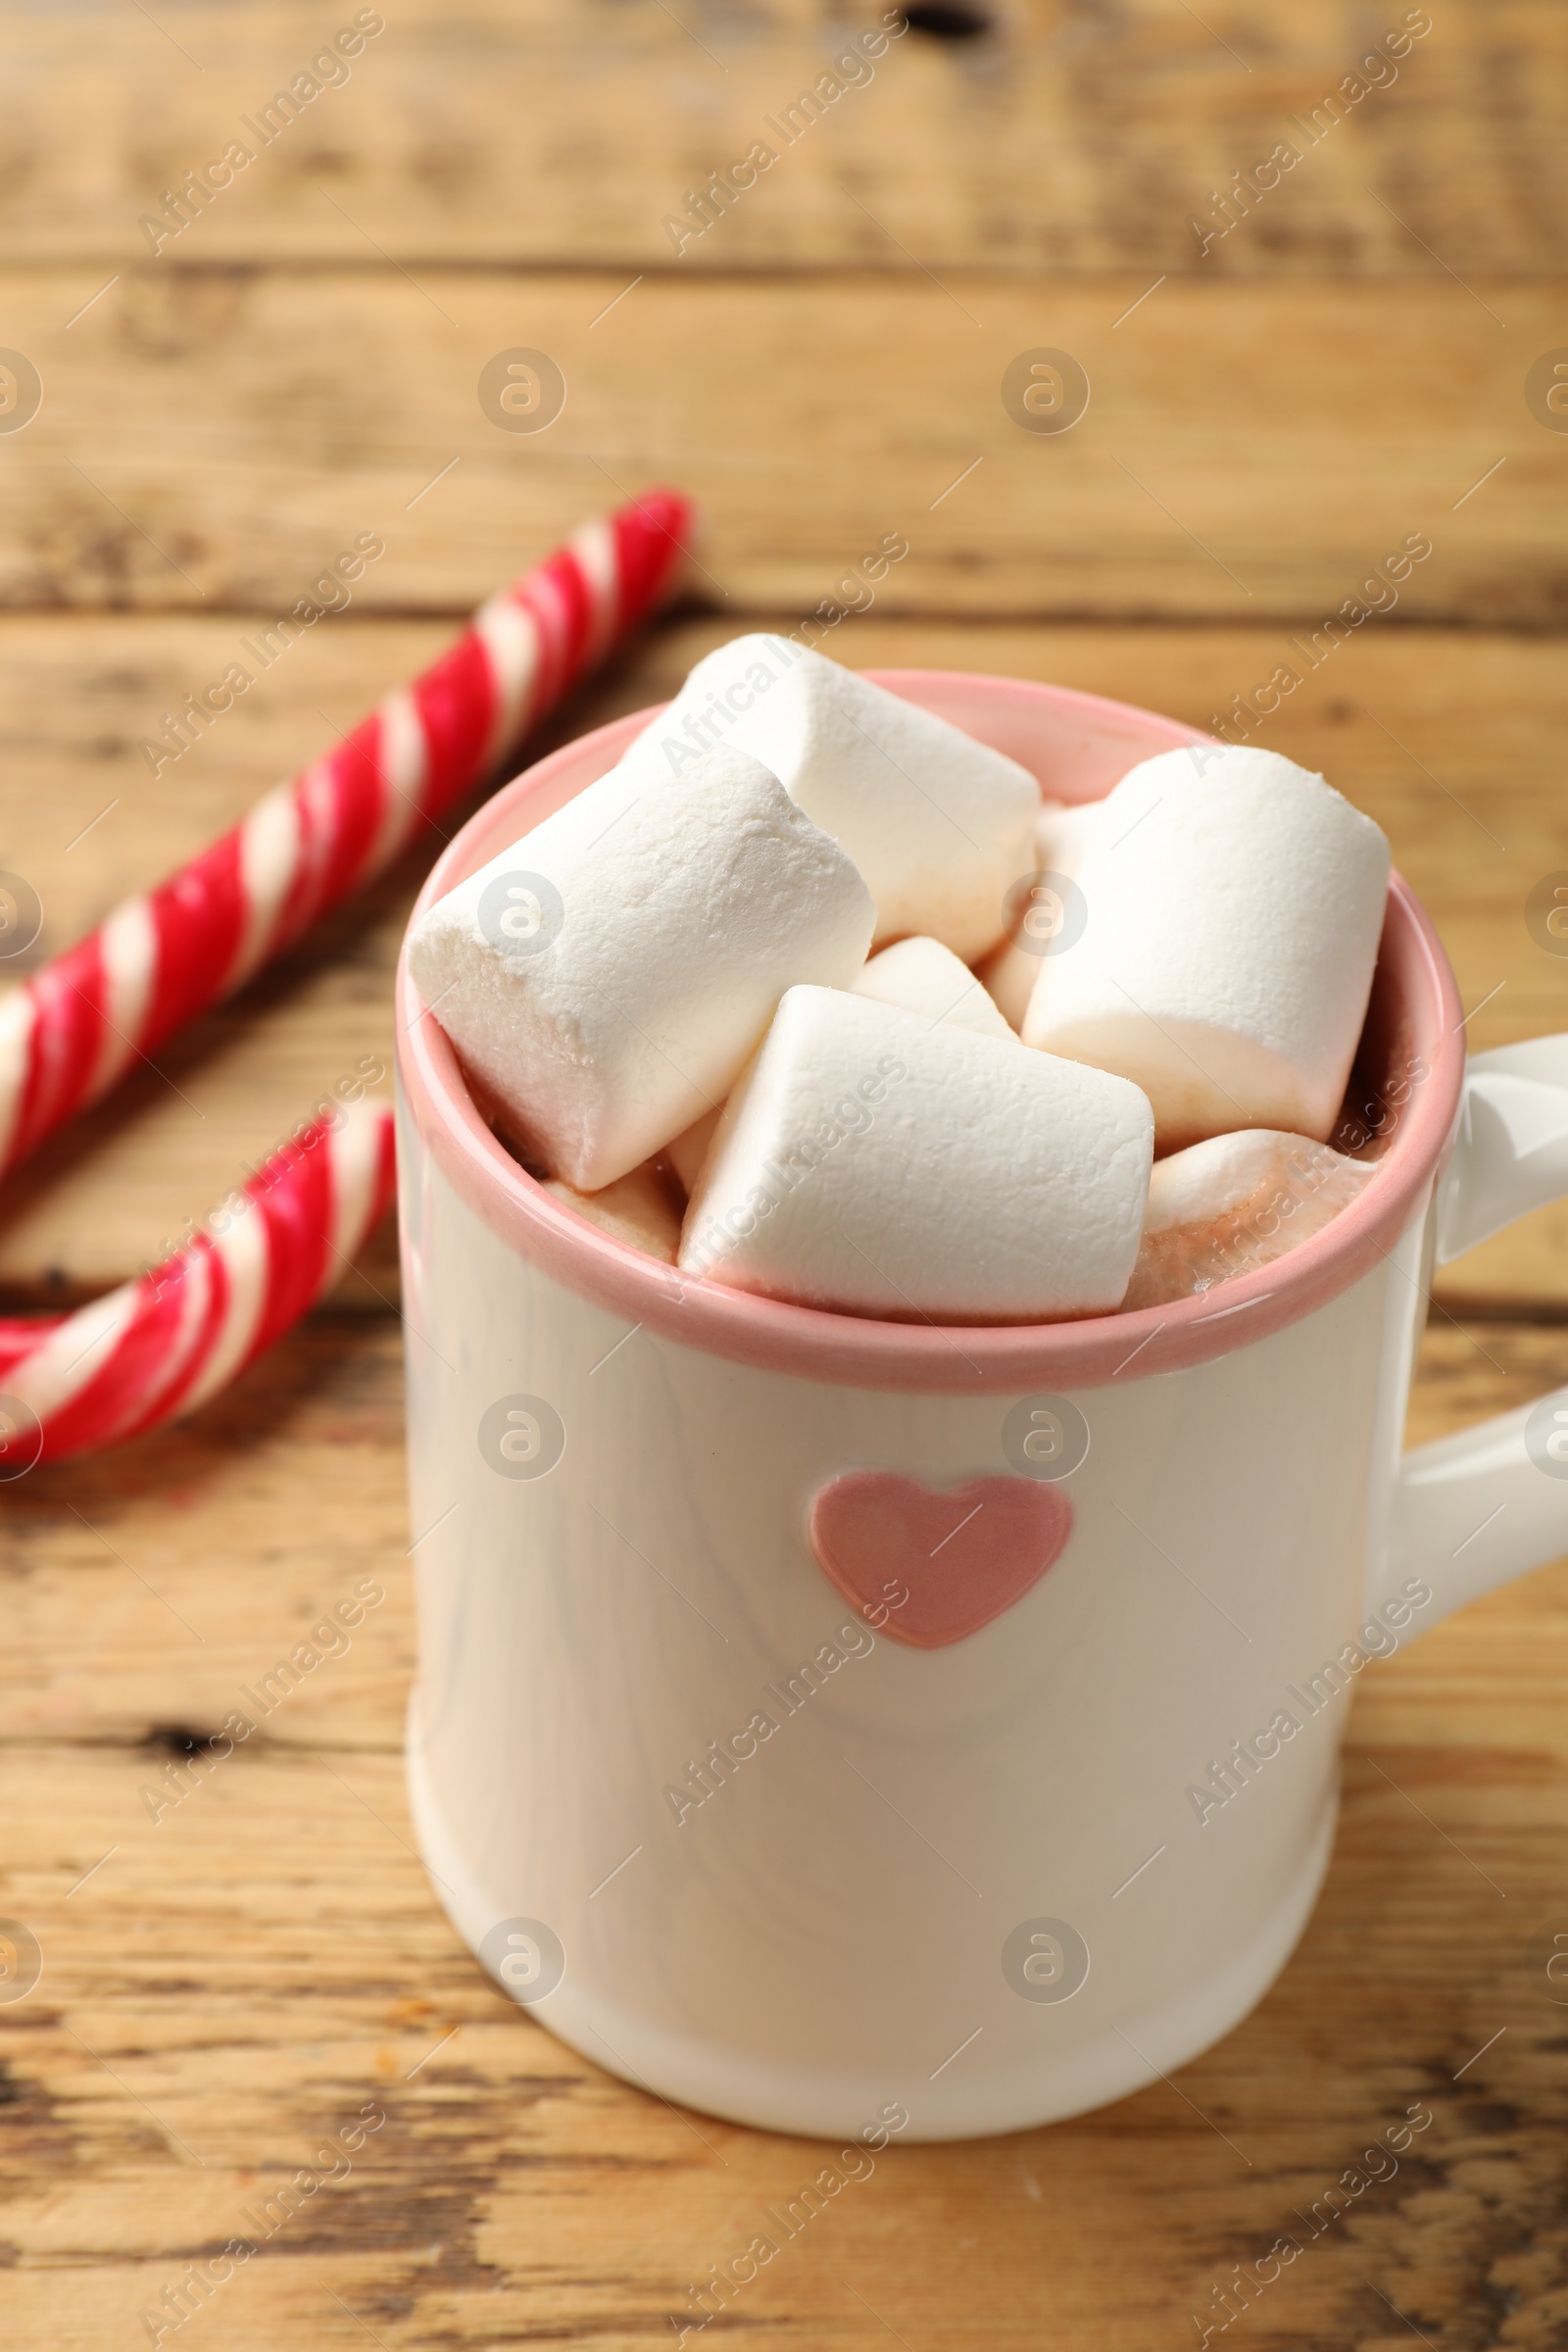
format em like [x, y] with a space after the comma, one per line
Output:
[229, 1980]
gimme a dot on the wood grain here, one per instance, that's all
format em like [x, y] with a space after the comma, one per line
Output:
[210, 438]
[1068, 138]
[1449, 738]
[230, 1979]
[238, 1978]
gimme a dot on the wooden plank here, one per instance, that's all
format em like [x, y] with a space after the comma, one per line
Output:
[210, 440]
[522, 135]
[1450, 738]
[237, 1981]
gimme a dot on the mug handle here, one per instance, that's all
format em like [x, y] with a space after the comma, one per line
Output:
[1475, 1509]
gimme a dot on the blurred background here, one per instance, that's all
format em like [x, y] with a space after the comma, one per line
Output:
[1156, 340]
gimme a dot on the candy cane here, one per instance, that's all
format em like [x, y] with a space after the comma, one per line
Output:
[165, 1343]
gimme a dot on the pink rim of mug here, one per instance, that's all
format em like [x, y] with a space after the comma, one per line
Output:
[1077, 745]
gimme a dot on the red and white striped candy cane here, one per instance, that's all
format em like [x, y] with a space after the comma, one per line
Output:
[163, 956]
[164, 1344]
[161, 1345]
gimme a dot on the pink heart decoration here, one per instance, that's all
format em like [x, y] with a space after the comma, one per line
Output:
[958, 1556]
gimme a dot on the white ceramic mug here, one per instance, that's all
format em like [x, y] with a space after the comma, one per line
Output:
[722, 1822]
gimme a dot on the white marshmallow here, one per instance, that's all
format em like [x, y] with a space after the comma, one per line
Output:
[688, 1149]
[635, 1209]
[923, 976]
[936, 822]
[1040, 913]
[1234, 1203]
[1234, 903]
[650, 931]
[872, 1162]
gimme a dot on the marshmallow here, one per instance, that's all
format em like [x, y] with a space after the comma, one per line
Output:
[923, 976]
[882, 1165]
[1233, 1204]
[1045, 918]
[608, 974]
[936, 822]
[687, 1152]
[635, 1209]
[1234, 906]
